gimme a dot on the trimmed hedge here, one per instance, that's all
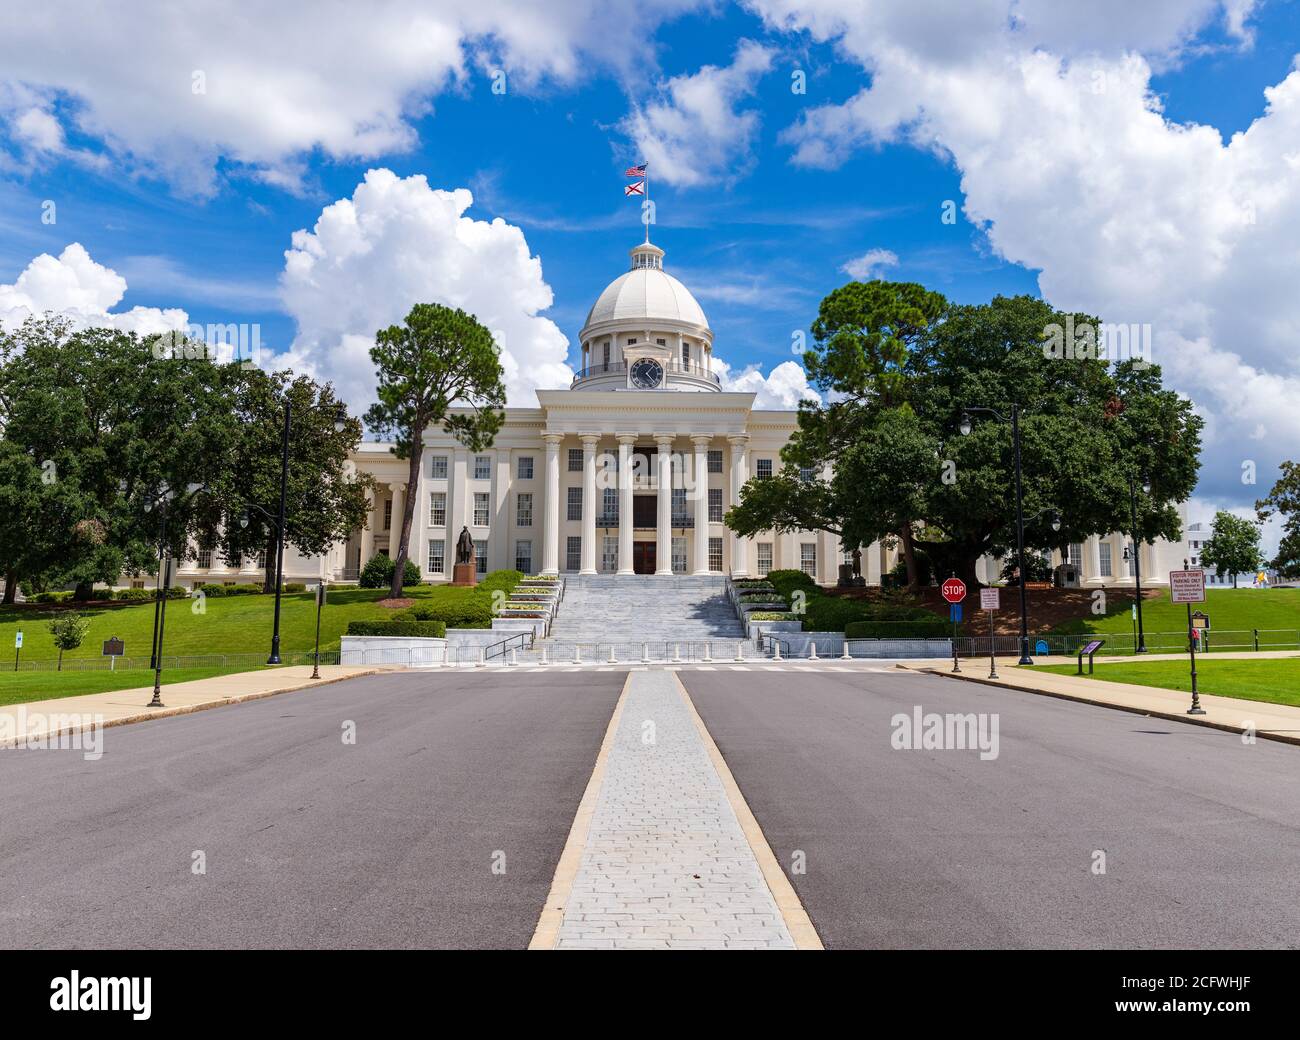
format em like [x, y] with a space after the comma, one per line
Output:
[428, 629]
[471, 612]
[378, 573]
[899, 623]
[134, 595]
[770, 615]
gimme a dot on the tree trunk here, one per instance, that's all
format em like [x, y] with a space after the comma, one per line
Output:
[909, 557]
[268, 572]
[11, 586]
[60, 667]
[408, 508]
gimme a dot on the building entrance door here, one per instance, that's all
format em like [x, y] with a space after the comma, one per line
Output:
[643, 557]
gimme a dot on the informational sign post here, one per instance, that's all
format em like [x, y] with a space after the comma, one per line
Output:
[989, 602]
[1188, 586]
[18, 646]
[113, 649]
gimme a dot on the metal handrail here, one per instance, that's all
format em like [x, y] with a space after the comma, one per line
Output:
[499, 649]
[766, 641]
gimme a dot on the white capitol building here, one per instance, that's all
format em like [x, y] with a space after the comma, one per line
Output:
[627, 471]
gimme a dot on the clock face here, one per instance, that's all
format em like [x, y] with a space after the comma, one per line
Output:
[647, 374]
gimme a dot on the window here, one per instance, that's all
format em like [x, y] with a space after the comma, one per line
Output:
[609, 554]
[662, 342]
[438, 467]
[575, 460]
[762, 468]
[438, 509]
[480, 509]
[605, 353]
[1074, 554]
[764, 558]
[524, 468]
[715, 554]
[1104, 564]
[575, 503]
[609, 505]
[808, 558]
[715, 460]
[482, 467]
[524, 556]
[524, 509]
[137, 584]
[806, 474]
[205, 557]
[678, 504]
[679, 555]
[573, 553]
[686, 355]
[388, 515]
[480, 556]
[437, 561]
[715, 505]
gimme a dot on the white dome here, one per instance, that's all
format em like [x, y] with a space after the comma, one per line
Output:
[646, 292]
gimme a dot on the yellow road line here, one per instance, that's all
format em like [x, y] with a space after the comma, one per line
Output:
[547, 931]
[787, 900]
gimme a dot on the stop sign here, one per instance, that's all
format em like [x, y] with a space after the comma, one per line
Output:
[954, 590]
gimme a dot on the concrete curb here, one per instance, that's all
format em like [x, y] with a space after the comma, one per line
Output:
[1152, 713]
[189, 709]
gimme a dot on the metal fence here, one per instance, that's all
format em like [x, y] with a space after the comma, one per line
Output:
[169, 661]
[1249, 639]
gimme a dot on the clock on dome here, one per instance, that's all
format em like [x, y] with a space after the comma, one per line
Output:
[646, 374]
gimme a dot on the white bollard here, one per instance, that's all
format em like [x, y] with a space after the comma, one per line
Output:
[544, 660]
[577, 653]
[846, 656]
[740, 656]
[677, 653]
[708, 652]
[645, 653]
[812, 650]
[482, 658]
[612, 658]
[776, 648]
[514, 660]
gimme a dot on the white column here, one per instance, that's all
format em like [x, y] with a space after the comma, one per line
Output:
[625, 442]
[1092, 560]
[589, 441]
[664, 549]
[739, 474]
[701, 445]
[368, 532]
[500, 547]
[551, 528]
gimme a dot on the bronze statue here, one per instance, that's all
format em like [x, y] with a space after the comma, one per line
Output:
[465, 547]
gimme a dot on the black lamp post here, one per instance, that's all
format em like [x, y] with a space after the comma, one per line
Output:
[1141, 647]
[966, 427]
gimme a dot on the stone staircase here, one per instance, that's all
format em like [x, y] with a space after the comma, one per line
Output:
[662, 611]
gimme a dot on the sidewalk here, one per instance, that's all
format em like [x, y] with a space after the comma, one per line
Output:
[1274, 721]
[33, 720]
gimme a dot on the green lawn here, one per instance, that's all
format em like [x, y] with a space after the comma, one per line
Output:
[1272, 679]
[20, 687]
[234, 624]
[1276, 612]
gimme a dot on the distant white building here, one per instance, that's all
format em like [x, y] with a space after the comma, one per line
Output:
[1197, 535]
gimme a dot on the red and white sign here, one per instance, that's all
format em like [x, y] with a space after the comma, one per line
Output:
[953, 589]
[989, 599]
[1187, 586]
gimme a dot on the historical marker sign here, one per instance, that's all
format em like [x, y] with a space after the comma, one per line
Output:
[953, 590]
[1187, 586]
[113, 647]
[989, 599]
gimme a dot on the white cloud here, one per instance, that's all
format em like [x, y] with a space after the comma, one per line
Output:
[695, 133]
[397, 242]
[783, 388]
[870, 264]
[280, 81]
[1071, 168]
[75, 286]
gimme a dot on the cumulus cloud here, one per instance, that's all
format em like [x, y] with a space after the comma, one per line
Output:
[782, 388]
[870, 264]
[1071, 168]
[397, 242]
[75, 286]
[695, 132]
[262, 86]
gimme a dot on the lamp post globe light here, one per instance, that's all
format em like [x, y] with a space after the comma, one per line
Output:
[965, 426]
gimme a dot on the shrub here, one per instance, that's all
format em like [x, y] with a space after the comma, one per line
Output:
[378, 573]
[398, 627]
[211, 589]
[471, 612]
[135, 595]
[771, 615]
[50, 597]
[921, 628]
[68, 631]
[504, 580]
[831, 613]
[294, 586]
[786, 582]
[762, 597]
[752, 583]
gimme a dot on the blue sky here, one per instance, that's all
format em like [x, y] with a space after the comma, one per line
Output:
[196, 213]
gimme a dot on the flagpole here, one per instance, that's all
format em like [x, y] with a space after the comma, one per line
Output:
[647, 199]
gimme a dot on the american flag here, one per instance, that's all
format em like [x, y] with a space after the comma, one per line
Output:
[635, 189]
[635, 171]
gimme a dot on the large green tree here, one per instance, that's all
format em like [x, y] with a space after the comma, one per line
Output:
[1233, 546]
[899, 365]
[1284, 500]
[440, 366]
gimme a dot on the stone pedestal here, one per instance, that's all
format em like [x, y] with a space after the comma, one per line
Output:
[463, 574]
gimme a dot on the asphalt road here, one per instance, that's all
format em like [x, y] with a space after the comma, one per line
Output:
[309, 842]
[915, 848]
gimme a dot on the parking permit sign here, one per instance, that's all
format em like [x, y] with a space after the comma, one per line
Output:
[989, 599]
[1187, 586]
